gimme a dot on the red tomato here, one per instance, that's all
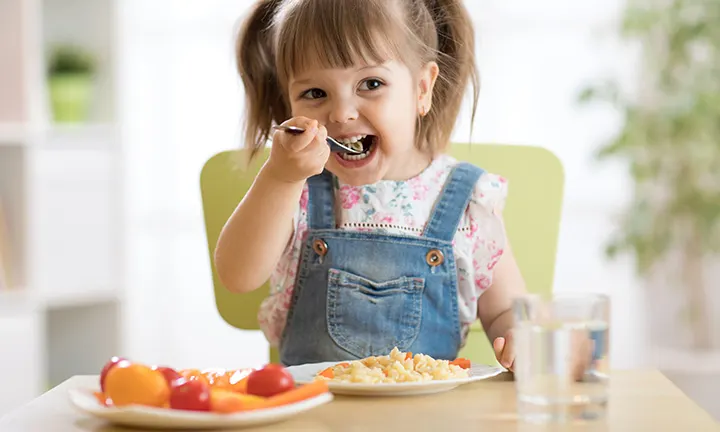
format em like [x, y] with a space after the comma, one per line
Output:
[170, 374]
[269, 380]
[190, 395]
[109, 365]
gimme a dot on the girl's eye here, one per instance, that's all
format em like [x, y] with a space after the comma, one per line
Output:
[314, 93]
[371, 84]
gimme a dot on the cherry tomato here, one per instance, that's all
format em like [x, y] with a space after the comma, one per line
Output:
[269, 380]
[109, 365]
[170, 374]
[191, 395]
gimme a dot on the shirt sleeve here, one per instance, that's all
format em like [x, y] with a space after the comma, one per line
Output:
[487, 228]
[283, 277]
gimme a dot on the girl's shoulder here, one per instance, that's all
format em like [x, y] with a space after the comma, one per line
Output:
[490, 189]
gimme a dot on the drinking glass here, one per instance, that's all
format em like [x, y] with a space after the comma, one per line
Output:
[562, 357]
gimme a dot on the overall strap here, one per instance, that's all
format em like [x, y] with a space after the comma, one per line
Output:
[454, 198]
[321, 201]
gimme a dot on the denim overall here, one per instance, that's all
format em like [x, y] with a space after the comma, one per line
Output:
[360, 294]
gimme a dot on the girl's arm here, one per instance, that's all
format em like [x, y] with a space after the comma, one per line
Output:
[495, 305]
[255, 236]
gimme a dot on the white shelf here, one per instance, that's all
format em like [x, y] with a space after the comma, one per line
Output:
[73, 136]
[99, 136]
[16, 301]
[79, 299]
[62, 197]
[13, 134]
[20, 300]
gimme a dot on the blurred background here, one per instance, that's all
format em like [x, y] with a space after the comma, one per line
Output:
[109, 108]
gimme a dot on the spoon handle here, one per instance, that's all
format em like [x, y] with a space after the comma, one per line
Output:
[335, 146]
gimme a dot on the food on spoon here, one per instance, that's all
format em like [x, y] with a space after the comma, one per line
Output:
[357, 146]
[357, 143]
[397, 367]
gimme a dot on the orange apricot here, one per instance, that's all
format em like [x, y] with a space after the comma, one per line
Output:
[136, 384]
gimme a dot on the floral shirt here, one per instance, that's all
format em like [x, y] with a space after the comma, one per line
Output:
[403, 207]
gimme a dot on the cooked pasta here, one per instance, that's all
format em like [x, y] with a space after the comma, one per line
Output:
[397, 367]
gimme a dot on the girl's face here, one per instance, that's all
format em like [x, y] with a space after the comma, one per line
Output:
[375, 103]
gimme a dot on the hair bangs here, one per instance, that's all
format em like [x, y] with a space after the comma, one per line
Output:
[325, 34]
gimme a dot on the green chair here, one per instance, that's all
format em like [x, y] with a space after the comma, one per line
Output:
[532, 218]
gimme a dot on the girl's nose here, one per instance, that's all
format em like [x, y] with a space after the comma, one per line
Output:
[343, 111]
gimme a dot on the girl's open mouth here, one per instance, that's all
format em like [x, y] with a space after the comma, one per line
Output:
[365, 143]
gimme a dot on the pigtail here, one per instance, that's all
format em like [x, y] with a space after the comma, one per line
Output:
[456, 60]
[255, 56]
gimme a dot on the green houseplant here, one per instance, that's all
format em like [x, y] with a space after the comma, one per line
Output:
[71, 72]
[670, 139]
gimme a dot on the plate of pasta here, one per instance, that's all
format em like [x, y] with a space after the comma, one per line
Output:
[396, 374]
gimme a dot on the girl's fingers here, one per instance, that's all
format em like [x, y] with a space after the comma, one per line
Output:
[504, 351]
[498, 345]
[507, 359]
[317, 146]
[295, 143]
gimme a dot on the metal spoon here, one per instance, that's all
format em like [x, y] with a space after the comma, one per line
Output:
[335, 146]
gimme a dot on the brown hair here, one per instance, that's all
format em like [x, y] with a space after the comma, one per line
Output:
[277, 36]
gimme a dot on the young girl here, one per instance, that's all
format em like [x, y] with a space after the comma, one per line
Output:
[399, 246]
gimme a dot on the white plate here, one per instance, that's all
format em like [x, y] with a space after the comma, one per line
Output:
[306, 373]
[157, 418]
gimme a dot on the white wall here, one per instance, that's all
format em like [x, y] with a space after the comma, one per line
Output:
[182, 103]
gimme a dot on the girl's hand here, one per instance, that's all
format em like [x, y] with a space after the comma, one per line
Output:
[294, 158]
[580, 360]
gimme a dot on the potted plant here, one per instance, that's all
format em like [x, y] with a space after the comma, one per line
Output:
[71, 72]
[670, 140]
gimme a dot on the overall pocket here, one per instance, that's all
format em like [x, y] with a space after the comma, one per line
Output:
[368, 318]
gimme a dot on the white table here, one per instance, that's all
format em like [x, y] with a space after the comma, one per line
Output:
[640, 400]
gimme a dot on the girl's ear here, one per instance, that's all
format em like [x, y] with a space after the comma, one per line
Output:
[426, 82]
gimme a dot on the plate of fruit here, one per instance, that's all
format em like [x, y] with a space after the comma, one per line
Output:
[138, 395]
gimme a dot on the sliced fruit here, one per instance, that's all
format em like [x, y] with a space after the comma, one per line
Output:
[224, 401]
[193, 374]
[102, 399]
[298, 394]
[227, 401]
[238, 380]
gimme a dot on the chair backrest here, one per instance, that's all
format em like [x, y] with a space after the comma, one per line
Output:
[532, 213]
